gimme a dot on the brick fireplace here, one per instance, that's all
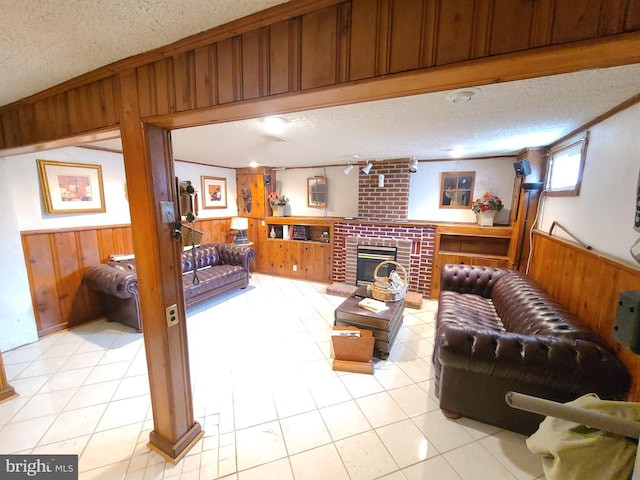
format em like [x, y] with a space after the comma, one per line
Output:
[414, 243]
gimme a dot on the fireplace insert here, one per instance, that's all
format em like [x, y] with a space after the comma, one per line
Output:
[369, 257]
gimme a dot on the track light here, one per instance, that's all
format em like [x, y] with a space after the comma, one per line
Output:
[413, 166]
[347, 169]
[367, 168]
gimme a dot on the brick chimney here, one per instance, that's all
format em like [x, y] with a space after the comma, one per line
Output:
[389, 203]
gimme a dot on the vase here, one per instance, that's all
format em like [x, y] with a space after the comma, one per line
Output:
[485, 219]
[278, 210]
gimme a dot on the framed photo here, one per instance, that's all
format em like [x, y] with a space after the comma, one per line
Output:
[214, 192]
[71, 187]
[317, 192]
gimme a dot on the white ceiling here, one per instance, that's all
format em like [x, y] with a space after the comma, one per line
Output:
[47, 42]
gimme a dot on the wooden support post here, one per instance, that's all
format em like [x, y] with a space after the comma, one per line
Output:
[150, 180]
[6, 390]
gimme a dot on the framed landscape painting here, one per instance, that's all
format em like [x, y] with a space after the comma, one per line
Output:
[71, 187]
[214, 192]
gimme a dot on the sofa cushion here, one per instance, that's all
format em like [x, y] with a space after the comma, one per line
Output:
[526, 309]
[206, 256]
[211, 279]
[461, 309]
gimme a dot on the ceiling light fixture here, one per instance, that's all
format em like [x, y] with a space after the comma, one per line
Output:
[347, 169]
[462, 96]
[367, 168]
[456, 152]
[274, 125]
[413, 166]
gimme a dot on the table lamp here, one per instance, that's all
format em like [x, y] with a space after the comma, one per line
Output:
[241, 225]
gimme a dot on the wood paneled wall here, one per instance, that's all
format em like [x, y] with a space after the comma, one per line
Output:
[305, 45]
[57, 259]
[588, 284]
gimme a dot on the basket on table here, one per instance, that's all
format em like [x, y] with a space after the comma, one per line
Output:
[384, 289]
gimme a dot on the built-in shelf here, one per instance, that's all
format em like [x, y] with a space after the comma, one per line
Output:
[471, 244]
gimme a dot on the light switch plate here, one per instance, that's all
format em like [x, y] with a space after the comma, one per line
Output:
[168, 215]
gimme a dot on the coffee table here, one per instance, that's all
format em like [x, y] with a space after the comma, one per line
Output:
[384, 325]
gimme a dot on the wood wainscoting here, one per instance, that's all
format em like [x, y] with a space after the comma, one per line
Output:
[588, 284]
[57, 259]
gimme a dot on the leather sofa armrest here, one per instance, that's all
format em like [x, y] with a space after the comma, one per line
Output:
[236, 254]
[113, 281]
[475, 279]
[563, 363]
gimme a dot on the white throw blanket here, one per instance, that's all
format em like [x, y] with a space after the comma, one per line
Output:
[577, 452]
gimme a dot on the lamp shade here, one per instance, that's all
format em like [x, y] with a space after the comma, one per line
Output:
[239, 223]
[367, 168]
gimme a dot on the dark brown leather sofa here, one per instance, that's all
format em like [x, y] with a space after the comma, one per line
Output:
[221, 267]
[498, 331]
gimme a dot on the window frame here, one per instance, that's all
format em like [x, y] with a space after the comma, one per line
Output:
[554, 154]
[449, 175]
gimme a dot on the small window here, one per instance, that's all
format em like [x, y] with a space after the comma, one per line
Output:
[456, 189]
[566, 165]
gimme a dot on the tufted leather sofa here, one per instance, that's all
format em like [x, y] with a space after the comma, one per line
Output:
[498, 331]
[221, 267]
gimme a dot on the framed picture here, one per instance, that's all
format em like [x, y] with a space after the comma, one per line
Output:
[317, 192]
[214, 192]
[71, 187]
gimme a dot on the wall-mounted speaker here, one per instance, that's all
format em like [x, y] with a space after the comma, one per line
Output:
[522, 168]
[627, 327]
[267, 179]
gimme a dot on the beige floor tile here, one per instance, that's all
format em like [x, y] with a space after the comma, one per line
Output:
[443, 433]
[375, 463]
[473, 462]
[360, 385]
[380, 409]
[280, 469]
[260, 444]
[124, 412]
[435, 468]
[406, 443]
[19, 436]
[95, 394]
[74, 423]
[320, 463]
[509, 449]
[389, 375]
[43, 404]
[344, 420]
[109, 447]
[304, 432]
[413, 400]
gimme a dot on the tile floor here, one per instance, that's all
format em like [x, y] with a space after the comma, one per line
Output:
[265, 395]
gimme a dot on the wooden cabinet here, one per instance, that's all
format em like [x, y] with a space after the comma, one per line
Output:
[308, 259]
[473, 245]
[253, 186]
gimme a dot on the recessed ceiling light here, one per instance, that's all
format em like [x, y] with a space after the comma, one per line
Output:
[456, 152]
[462, 96]
[274, 125]
[253, 164]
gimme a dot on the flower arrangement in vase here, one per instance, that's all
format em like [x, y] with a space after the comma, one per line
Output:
[277, 203]
[486, 207]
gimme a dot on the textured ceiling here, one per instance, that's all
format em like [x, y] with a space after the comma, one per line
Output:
[45, 42]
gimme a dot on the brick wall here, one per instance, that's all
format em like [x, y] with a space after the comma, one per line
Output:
[388, 203]
[422, 239]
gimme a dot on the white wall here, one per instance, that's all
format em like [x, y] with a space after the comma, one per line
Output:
[602, 215]
[492, 175]
[17, 322]
[24, 189]
[342, 200]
